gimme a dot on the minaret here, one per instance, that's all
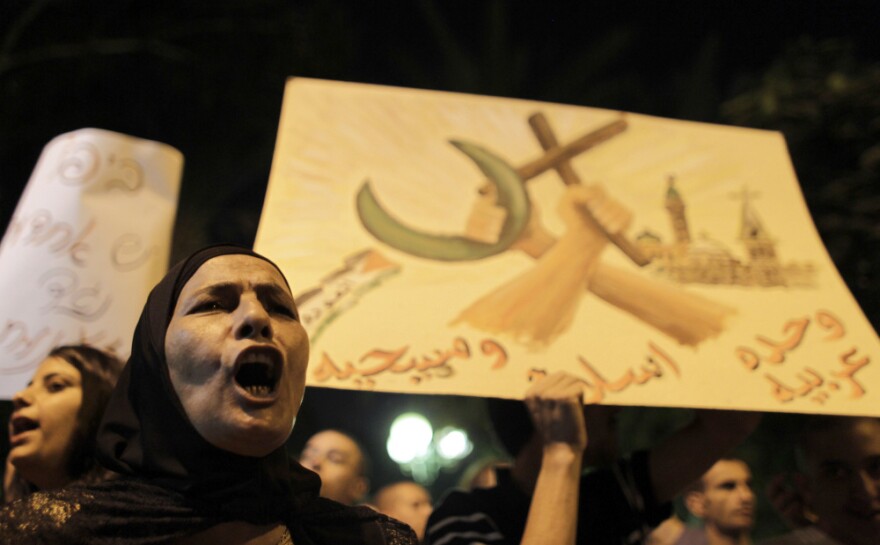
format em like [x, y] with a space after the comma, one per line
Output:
[764, 266]
[751, 232]
[675, 206]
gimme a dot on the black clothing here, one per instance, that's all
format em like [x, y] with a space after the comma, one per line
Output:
[616, 506]
[173, 482]
[132, 512]
[145, 431]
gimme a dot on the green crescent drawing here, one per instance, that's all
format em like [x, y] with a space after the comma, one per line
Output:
[511, 195]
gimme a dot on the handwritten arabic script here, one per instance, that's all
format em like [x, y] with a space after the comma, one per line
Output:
[657, 364]
[808, 381]
[93, 223]
[438, 364]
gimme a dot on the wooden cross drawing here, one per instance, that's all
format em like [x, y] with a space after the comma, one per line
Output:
[685, 316]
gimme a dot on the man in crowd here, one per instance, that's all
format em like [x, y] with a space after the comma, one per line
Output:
[723, 498]
[840, 484]
[407, 502]
[545, 499]
[341, 463]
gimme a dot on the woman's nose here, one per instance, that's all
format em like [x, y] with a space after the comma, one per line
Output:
[21, 399]
[253, 320]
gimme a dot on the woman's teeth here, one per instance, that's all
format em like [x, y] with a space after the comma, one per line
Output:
[258, 390]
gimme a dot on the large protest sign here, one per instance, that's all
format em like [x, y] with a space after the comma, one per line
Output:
[456, 244]
[89, 238]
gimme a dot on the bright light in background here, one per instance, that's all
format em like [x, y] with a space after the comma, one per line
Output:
[409, 438]
[453, 444]
[421, 453]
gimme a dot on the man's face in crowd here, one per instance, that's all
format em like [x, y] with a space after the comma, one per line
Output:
[843, 470]
[407, 502]
[727, 501]
[339, 461]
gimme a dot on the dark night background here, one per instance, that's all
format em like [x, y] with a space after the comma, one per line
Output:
[208, 77]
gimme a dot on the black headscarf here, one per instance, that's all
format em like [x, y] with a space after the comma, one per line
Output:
[174, 482]
[146, 432]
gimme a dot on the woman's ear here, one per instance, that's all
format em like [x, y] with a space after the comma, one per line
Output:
[694, 501]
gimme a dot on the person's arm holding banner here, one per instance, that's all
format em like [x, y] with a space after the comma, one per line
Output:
[556, 407]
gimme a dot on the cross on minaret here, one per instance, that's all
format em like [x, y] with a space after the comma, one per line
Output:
[744, 194]
[750, 224]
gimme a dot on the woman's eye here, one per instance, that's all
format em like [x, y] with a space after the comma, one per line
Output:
[209, 306]
[55, 386]
[283, 309]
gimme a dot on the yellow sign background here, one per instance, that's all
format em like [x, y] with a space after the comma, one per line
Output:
[676, 332]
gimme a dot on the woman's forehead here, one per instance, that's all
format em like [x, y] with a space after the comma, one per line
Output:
[56, 365]
[236, 269]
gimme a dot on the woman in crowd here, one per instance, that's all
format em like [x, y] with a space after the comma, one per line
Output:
[197, 425]
[55, 421]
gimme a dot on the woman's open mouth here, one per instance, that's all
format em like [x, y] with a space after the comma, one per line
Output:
[19, 425]
[258, 371]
